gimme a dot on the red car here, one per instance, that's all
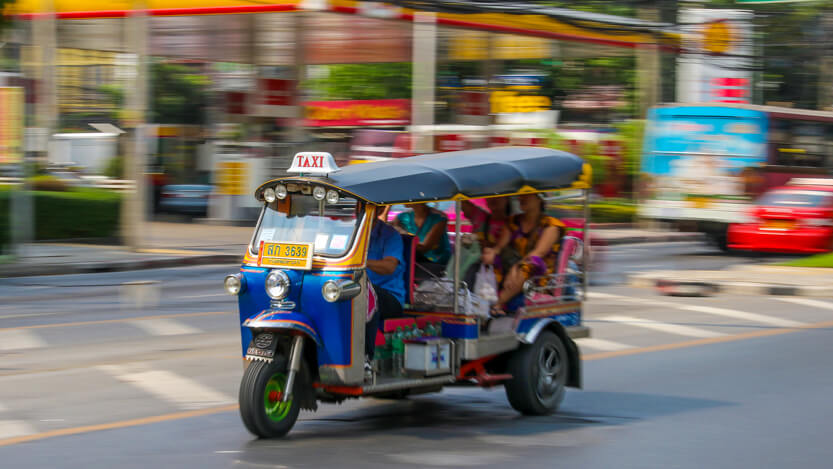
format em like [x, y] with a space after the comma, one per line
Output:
[797, 218]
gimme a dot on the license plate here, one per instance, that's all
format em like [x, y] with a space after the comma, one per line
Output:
[779, 224]
[289, 255]
[262, 346]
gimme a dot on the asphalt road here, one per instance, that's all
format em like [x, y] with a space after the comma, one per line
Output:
[91, 379]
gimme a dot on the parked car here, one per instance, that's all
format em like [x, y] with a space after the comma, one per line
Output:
[796, 218]
[188, 199]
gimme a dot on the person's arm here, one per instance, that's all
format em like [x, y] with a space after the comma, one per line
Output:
[433, 239]
[384, 266]
[544, 245]
[489, 253]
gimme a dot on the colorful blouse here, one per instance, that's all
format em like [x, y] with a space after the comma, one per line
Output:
[440, 254]
[523, 243]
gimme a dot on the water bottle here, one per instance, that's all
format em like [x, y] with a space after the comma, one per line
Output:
[387, 357]
[430, 330]
[398, 355]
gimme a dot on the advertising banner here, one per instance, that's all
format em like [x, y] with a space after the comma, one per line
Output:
[11, 125]
[371, 112]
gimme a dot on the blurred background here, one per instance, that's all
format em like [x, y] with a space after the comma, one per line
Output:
[177, 110]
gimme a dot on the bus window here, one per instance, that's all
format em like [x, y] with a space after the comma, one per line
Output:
[799, 143]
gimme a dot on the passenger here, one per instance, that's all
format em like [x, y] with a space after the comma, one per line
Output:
[386, 272]
[429, 226]
[535, 236]
[487, 226]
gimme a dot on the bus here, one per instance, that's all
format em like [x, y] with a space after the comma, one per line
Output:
[703, 164]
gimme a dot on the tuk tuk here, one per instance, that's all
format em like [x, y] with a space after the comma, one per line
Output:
[303, 292]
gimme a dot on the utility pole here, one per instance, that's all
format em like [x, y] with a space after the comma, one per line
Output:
[424, 50]
[648, 67]
[133, 207]
[825, 99]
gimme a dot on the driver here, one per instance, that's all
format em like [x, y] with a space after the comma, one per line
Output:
[386, 272]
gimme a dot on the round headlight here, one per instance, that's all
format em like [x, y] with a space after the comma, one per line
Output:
[319, 193]
[233, 284]
[269, 195]
[331, 291]
[280, 191]
[332, 197]
[277, 284]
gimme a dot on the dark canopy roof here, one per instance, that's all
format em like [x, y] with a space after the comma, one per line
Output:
[459, 175]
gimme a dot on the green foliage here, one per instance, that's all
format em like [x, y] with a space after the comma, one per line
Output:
[589, 151]
[613, 213]
[820, 260]
[79, 213]
[45, 182]
[631, 134]
[115, 168]
[364, 81]
[179, 96]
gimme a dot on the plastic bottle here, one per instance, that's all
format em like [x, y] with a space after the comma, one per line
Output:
[430, 330]
[418, 332]
[387, 357]
[398, 352]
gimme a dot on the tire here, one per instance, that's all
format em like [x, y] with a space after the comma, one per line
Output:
[260, 408]
[540, 372]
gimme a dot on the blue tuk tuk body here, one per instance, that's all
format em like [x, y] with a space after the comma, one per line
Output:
[303, 292]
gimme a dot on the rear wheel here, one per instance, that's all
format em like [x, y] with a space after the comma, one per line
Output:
[539, 375]
[261, 406]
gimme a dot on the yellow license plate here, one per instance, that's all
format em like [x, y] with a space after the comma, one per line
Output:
[779, 224]
[289, 255]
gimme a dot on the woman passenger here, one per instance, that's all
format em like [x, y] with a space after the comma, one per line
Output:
[429, 226]
[535, 236]
[487, 226]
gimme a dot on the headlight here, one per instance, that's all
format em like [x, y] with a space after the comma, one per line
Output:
[319, 193]
[277, 284]
[332, 197]
[337, 291]
[269, 195]
[281, 191]
[234, 283]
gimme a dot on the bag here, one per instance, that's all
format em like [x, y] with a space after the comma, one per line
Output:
[485, 284]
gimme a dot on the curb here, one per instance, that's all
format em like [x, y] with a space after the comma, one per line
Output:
[680, 237]
[120, 266]
[707, 288]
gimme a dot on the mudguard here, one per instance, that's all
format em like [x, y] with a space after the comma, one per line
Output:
[277, 319]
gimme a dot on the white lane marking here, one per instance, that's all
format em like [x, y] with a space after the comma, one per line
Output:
[599, 295]
[806, 302]
[178, 390]
[20, 339]
[729, 313]
[601, 344]
[164, 327]
[662, 326]
[14, 428]
[743, 315]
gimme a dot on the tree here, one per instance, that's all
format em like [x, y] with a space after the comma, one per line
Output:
[179, 95]
[364, 81]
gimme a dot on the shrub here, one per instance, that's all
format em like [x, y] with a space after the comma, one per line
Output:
[48, 183]
[612, 213]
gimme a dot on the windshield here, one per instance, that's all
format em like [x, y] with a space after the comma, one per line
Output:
[302, 219]
[796, 199]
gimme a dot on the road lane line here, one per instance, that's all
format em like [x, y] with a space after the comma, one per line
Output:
[192, 297]
[725, 312]
[14, 429]
[164, 327]
[662, 326]
[806, 302]
[17, 340]
[116, 425]
[178, 390]
[601, 344]
[229, 408]
[111, 321]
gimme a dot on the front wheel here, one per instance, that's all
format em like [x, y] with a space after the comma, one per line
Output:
[263, 412]
[539, 375]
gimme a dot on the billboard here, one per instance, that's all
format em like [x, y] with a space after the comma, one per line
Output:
[368, 112]
[11, 125]
[716, 63]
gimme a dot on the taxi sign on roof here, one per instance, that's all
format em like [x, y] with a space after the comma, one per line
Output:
[313, 163]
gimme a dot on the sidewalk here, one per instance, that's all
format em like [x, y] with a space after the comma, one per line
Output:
[740, 279]
[186, 244]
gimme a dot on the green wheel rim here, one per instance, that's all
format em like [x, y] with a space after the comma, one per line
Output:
[275, 409]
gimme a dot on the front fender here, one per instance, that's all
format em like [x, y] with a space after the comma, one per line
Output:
[276, 319]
